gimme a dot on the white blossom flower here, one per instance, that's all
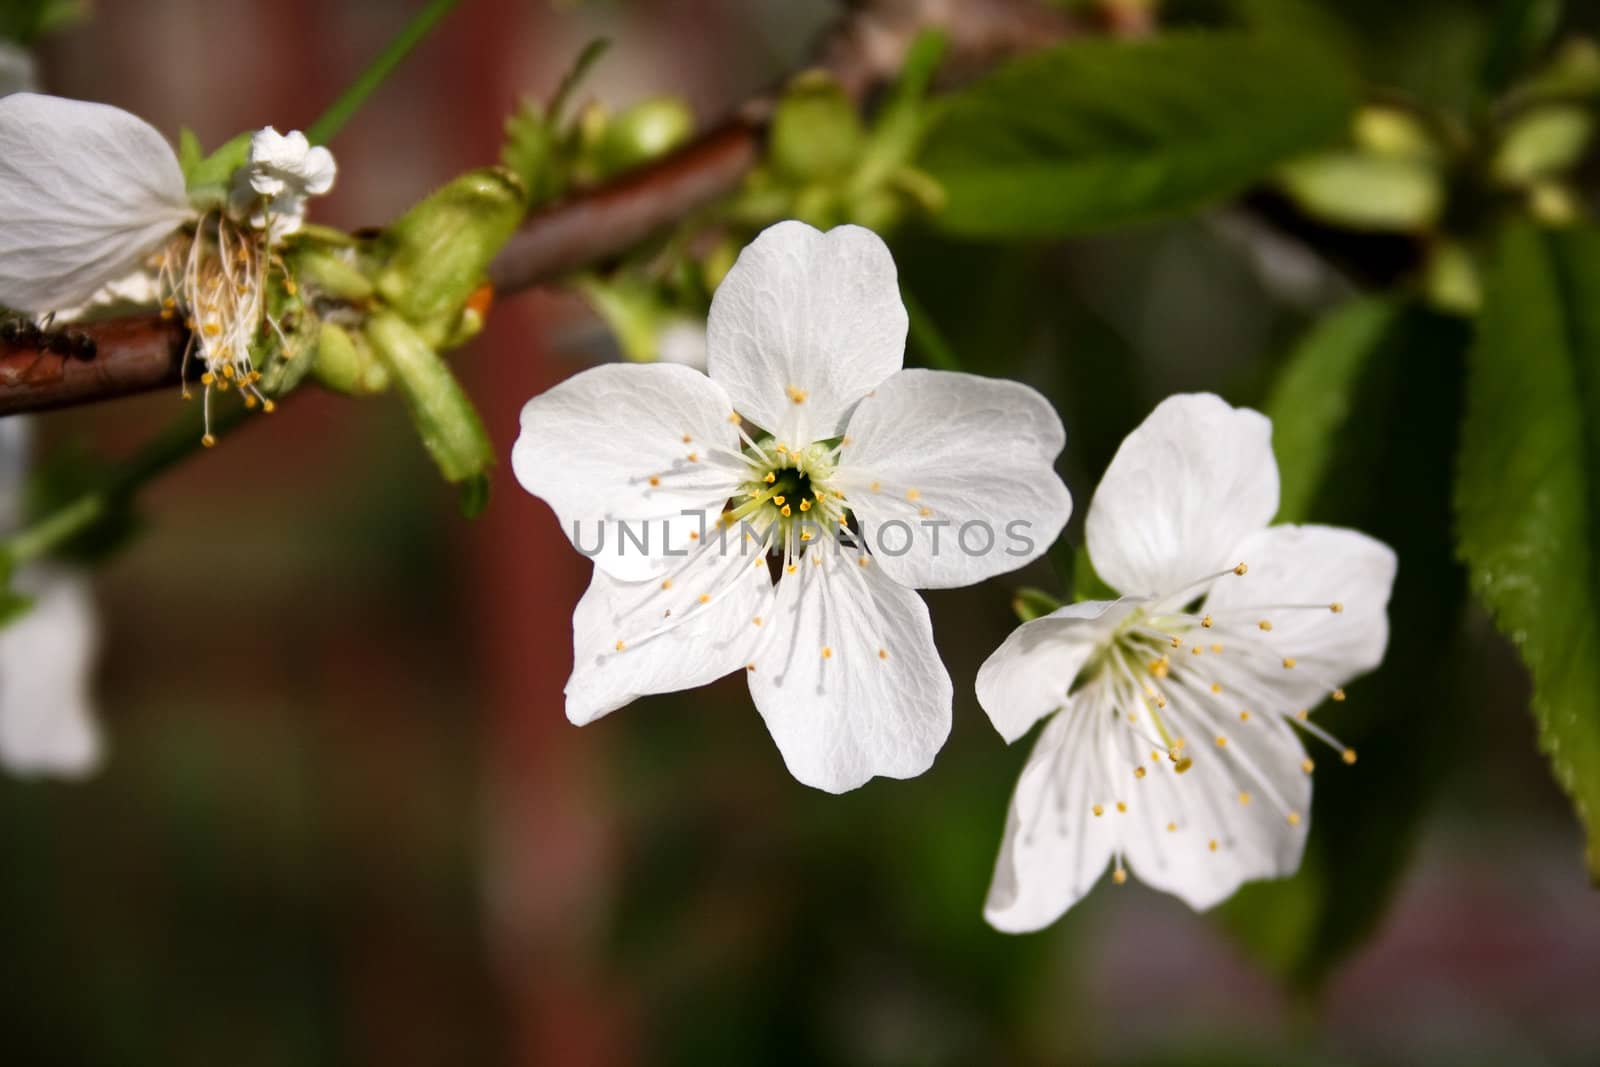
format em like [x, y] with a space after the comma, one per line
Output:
[1173, 747]
[47, 723]
[93, 196]
[282, 172]
[761, 553]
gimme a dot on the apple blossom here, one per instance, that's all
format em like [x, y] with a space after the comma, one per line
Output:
[769, 550]
[1172, 744]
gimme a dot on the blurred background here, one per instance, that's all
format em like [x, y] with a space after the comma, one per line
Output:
[344, 819]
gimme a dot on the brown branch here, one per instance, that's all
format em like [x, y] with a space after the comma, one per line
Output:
[866, 49]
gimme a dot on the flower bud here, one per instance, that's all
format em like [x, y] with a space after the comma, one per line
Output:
[816, 132]
[444, 417]
[439, 250]
[345, 363]
[643, 132]
[1389, 131]
[1366, 192]
[1542, 143]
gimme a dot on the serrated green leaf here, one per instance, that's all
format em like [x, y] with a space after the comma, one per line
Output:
[1528, 494]
[1384, 468]
[1314, 398]
[1096, 133]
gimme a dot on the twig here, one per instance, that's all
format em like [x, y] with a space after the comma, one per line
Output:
[864, 51]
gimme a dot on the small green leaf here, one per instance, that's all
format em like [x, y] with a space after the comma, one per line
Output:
[1528, 495]
[444, 416]
[1542, 143]
[1095, 134]
[1363, 191]
[1314, 398]
[210, 180]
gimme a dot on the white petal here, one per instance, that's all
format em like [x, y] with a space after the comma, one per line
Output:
[1182, 492]
[86, 191]
[847, 677]
[46, 716]
[962, 470]
[804, 325]
[1055, 848]
[1315, 566]
[1249, 796]
[1029, 675]
[590, 447]
[657, 636]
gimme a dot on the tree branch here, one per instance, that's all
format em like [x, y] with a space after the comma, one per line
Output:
[864, 51]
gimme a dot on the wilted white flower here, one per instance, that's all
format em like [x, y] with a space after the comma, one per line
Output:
[282, 172]
[93, 196]
[46, 715]
[791, 552]
[1173, 747]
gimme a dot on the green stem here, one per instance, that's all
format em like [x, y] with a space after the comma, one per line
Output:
[927, 337]
[66, 522]
[343, 109]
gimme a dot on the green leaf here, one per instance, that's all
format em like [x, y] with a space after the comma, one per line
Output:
[1314, 398]
[1095, 133]
[1528, 496]
[448, 424]
[1362, 191]
[1384, 467]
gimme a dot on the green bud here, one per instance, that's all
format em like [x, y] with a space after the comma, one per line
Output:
[1389, 131]
[444, 417]
[1553, 204]
[1366, 192]
[1542, 143]
[1451, 281]
[330, 273]
[439, 250]
[816, 131]
[345, 363]
[532, 151]
[644, 132]
[1030, 604]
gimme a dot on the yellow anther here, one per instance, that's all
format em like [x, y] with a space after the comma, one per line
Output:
[751, 667]
[883, 653]
[1138, 772]
[1308, 765]
[666, 583]
[1098, 810]
[1216, 650]
[1119, 876]
[805, 505]
[756, 620]
[733, 417]
[1172, 827]
[1293, 818]
[779, 500]
[1222, 742]
[1244, 798]
[1244, 716]
[655, 483]
[208, 378]
[1336, 607]
[786, 511]
[250, 402]
[1288, 663]
[925, 512]
[771, 477]
[1338, 694]
[227, 371]
[1302, 714]
[705, 598]
[913, 494]
[862, 561]
[827, 653]
[694, 457]
[1241, 569]
[209, 441]
[694, 535]
[1212, 844]
[1182, 764]
[790, 568]
[1177, 642]
[1216, 687]
[268, 406]
[805, 535]
[1122, 808]
[211, 329]
[1265, 624]
[1348, 755]
[1197, 650]
[876, 486]
[621, 645]
[796, 395]
[687, 439]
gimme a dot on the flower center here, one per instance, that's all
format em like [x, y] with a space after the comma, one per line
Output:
[788, 497]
